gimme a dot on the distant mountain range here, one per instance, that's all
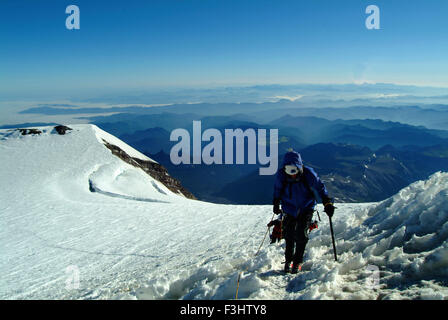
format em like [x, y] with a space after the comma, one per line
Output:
[298, 130]
[433, 116]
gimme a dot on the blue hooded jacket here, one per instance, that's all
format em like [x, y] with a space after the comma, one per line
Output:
[295, 196]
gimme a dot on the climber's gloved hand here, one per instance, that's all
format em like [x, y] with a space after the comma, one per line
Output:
[276, 208]
[329, 209]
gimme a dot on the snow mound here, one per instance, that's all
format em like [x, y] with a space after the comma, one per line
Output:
[84, 164]
[116, 180]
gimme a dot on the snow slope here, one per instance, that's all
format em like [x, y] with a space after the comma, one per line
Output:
[135, 239]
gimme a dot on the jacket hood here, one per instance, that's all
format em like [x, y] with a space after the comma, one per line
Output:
[292, 157]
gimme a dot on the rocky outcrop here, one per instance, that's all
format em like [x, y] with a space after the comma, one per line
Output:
[62, 129]
[25, 132]
[153, 169]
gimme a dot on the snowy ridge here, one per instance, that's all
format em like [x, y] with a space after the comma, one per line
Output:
[103, 135]
[134, 239]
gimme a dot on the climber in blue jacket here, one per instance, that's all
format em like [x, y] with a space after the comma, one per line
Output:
[293, 189]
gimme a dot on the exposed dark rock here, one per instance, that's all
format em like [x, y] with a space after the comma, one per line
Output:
[62, 129]
[153, 169]
[25, 132]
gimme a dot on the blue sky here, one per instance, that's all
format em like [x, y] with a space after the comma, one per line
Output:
[125, 45]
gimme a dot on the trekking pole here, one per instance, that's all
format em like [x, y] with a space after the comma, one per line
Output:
[332, 238]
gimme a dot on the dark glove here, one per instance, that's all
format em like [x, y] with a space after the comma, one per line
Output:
[328, 206]
[277, 209]
[329, 209]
